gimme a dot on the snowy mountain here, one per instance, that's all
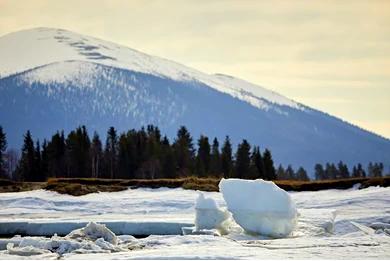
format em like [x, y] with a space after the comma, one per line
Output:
[54, 79]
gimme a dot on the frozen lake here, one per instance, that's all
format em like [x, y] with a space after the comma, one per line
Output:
[355, 211]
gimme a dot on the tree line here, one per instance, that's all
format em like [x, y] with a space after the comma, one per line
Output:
[143, 153]
[341, 171]
[146, 154]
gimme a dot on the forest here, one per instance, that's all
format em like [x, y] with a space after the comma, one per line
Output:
[146, 154]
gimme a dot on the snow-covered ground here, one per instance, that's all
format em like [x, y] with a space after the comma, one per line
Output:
[318, 234]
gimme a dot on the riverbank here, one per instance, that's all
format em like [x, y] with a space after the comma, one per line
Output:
[83, 186]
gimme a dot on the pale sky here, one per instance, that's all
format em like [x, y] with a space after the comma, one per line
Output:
[330, 55]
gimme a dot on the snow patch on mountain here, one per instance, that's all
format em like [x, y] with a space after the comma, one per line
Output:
[42, 46]
[76, 73]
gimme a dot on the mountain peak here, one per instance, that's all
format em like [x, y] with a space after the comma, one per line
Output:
[42, 46]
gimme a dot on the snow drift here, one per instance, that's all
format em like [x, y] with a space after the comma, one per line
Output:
[260, 206]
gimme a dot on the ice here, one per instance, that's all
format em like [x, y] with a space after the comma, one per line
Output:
[94, 231]
[25, 251]
[380, 225]
[94, 238]
[259, 206]
[208, 215]
[319, 234]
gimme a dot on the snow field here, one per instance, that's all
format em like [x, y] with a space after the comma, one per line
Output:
[324, 228]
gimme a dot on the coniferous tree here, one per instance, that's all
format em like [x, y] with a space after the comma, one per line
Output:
[203, 157]
[355, 173]
[141, 141]
[331, 171]
[302, 174]
[44, 161]
[343, 171]
[184, 151]
[111, 152]
[375, 169]
[151, 167]
[227, 158]
[78, 153]
[257, 164]
[3, 147]
[39, 176]
[319, 172]
[361, 171]
[124, 156]
[243, 160]
[96, 156]
[290, 173]
[168, 160]
[281, 173]
[56, 155]
[27, 162]
[380, 168]
[215, 161]
[269, 169]
[132, 137]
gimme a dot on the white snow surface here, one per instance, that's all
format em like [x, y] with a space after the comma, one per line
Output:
[61, 56]
[325, 226]
[260, 206]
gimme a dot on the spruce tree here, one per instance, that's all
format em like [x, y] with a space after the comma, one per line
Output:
[243, 160]
[203, 157]
[269, 169]
[257, 164]
[44, 161]
[27, 162]
[302, 174]
[111, 152]
[168, 160]
[343, 171]
[184, 151]
[78, 153]
[319, 172]
[361, 171]
[152, 166]
[227, 158]
[3, 147]
[280, 173]
[96, 156]
[38, 163]
[123, 157]
[331, 171]
[215, 161]
[290, 173]
[56, 156]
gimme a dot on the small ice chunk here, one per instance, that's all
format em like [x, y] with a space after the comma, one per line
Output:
[209, 216]
[193, 231]
[260, 207]
[126, 238]
[103, 244]
[367, 230]
[380, 225]
[25, 251]
[94, 231]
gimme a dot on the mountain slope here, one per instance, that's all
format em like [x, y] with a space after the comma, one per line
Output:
[54, 79]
